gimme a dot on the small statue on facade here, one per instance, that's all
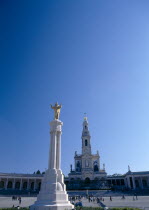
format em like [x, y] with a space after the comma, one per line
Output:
[104, 167]
[71, 168]
[56, 109]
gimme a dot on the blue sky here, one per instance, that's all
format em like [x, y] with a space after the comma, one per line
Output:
[91, 56]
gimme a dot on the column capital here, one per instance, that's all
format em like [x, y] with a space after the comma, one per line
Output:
[56, 125]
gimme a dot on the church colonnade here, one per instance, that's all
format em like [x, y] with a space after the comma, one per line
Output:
[21, 183]
[137, 182]
[32, 182]
[116, 182]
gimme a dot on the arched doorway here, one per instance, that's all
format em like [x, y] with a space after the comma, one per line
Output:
[32, 186]
[2, 184]
[137, 183]
[87, 180]
[17, 185]
[39, 185]
[24, 185]
[144, 182]
[9, 185]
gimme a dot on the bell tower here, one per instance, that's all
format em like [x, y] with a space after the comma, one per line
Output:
[86, 146]
[87, 165]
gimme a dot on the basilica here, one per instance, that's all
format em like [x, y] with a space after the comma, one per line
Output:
[87, 165]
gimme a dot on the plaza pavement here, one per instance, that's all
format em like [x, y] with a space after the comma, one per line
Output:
[142, 202]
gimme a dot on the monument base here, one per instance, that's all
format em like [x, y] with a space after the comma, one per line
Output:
[52, 207]
[53, 195]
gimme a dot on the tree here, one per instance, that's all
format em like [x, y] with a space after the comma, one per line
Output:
[38, 172]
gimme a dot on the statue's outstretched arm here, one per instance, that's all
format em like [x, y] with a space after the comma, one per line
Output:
[60, 106]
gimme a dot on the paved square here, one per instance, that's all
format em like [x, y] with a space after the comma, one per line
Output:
[142, 202]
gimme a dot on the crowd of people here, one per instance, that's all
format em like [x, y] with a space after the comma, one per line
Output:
[15, 198]
[92, 198]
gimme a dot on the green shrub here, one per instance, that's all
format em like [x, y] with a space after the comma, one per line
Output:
[89, 208]
[100, 208]
[124, 208]
[14, 208]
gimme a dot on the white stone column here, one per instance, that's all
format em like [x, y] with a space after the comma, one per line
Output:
[141, 182]
[28, 184]
[21, 184]
[35, 185]
[133, 181]
[13, 185]
[52, 156]
[125, 182]
[128, 181]
[6, 183]
[147, 181]
[58, 151]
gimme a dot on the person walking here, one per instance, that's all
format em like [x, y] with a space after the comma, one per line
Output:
[19, 200]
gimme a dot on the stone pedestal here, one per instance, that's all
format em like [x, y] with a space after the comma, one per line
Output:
[53, 195]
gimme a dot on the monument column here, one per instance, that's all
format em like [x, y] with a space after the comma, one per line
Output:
[58, 148]
[53, 195]
[52, 156]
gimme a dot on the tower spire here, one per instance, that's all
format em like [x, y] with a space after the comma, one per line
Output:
[86, 146]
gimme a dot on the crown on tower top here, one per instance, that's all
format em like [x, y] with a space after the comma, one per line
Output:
[85, 117]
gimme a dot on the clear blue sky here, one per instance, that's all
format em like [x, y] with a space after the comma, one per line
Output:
[91, 56]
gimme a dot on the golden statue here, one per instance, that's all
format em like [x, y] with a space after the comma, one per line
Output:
[57, 109]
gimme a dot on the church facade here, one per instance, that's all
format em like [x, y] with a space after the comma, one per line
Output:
[87, 165]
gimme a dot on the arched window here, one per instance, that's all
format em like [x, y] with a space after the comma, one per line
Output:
[85, 142]
[95, 165]
[85, 126]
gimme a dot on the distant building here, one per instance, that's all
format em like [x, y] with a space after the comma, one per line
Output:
[26, 182]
